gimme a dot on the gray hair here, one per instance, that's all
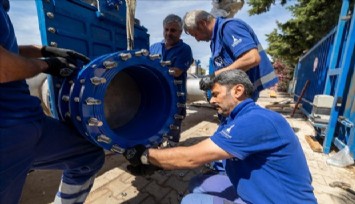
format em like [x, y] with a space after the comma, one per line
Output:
[192, 18]
[172, 18]
[233, 77]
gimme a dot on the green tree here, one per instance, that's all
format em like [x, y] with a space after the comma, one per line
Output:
[312, 20]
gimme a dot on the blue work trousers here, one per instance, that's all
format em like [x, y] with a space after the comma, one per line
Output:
[211, 189]
[47, 144]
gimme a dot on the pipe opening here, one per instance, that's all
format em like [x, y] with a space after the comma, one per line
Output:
[138, 102]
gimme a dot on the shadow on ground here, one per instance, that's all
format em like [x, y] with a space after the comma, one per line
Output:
[41, 185]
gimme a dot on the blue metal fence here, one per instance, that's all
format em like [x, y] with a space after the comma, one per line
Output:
[313, 66]
[329, 66]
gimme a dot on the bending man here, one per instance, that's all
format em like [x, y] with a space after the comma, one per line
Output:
[234, 45]
[263, 158]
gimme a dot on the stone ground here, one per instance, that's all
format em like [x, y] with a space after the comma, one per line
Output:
[115, 185]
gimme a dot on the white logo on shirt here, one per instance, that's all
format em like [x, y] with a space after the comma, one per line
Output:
[236, 41]
[229, 129]
[218, 61]
[226, 132]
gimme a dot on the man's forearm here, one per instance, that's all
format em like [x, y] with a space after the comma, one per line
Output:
[172, 158]
[14, 67]
[247, 61]
[30, 51]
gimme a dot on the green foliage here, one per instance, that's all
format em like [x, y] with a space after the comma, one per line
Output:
[312, 20]
[261, 6]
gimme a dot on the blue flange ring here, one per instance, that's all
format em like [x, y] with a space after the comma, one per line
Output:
[122, 99]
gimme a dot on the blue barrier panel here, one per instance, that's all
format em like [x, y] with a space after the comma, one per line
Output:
[340, 127]
[91, 30]
[313, 66]
[329, 66]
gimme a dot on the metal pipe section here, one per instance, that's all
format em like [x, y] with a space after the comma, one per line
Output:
[194, 93]
[120, 100]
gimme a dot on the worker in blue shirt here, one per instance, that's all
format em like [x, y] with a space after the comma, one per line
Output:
[29, 139]
[234, 45]
[263, 158]
[173, 49]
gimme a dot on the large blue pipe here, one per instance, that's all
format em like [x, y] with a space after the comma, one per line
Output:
[121, 99]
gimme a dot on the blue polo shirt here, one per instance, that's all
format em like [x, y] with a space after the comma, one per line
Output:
[269, 165]
[16, 104]
[231, 38]
[180, 56]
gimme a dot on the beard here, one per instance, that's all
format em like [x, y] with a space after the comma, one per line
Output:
[221, 111]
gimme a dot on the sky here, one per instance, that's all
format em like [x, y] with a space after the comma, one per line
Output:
[151, 14]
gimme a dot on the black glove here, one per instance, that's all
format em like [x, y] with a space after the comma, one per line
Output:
[143, 170]
[206, 82]
[59, 67]
[133, 155]
[71, 55]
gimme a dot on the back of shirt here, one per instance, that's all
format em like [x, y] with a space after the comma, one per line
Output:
[232, 38]
[16, 104]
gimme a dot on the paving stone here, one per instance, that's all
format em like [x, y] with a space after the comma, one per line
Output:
[114, 185]
[176, 183]
[157, 191]
[172, 197]
[149, 200]
[137, 198]
[102, 196]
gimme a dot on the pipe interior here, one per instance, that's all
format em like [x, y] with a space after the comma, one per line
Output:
[137, 102]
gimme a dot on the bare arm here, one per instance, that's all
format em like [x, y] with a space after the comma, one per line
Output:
[247, 61]
[13, 67]
[30, 51]
[187, 157]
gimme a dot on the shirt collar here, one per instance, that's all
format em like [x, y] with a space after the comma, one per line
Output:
[176, 45]
[215, 29]
[240, 107]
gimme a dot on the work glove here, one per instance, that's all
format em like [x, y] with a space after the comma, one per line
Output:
[133, 155]
[136, 167]
[59, 66]
[206, 82]
[142, 170]
[71, 55]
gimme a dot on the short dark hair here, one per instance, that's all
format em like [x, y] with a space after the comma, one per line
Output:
[173, 18]
[233, 77]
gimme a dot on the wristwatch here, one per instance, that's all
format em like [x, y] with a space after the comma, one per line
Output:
[144, 157]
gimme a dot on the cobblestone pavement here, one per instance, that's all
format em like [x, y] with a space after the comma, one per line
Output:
[115, 185]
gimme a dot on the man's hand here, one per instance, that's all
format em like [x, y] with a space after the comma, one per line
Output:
[206, 82]
[70, 55]
[133, 155]
[59, 67]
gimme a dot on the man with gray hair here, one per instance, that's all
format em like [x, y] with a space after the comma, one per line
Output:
[234, 45]
[173, 49]
[263, 157]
